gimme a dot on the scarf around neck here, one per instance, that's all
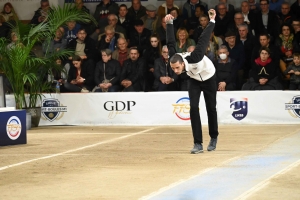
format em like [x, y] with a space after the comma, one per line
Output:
[261, 63]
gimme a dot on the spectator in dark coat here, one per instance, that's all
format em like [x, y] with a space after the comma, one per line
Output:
[136, 11]
[223, 19]
[295, 8]
[41, 14]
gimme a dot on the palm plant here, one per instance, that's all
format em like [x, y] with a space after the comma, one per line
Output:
[22, 68]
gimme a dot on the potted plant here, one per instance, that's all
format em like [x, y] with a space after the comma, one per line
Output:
[23, 69]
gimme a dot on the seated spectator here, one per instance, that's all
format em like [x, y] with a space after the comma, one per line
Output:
[203, 20]
[296, 25]
[165, 8]
[103, 9]
[133, 72]
[109, 39]
[122, 52]
[41, 14]
[286, 43]
[59, 73]
[178, 21]
[223, 19]
[253, 5]
[193, 22]
[294, 71]
[7, 15]
[107, 73]
[136, 11]
[161, 32]
[80, 76]
[275, 5]
[84, 46]
[189, 6]
[124, 20]
[151, 20]
[112, 21]
[226, 69]
[285, 16]
[56, 44]
[14, 40]
[263, 75]
[238, 20]
[140, 37]
[71, 31]
[165, 78]
[183, 41]
[213, 47]
[229, 7]
[150, 55]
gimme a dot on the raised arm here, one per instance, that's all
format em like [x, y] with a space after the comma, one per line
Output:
[171, 41]
[200, 50]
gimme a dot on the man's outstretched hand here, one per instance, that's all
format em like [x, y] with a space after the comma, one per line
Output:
[212, 14]
[168, 17]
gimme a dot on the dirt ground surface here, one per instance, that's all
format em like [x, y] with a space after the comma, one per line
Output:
[112, 162]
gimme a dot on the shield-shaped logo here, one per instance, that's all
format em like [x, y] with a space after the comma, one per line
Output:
[239, 107]
[49, 109]
[296, 100]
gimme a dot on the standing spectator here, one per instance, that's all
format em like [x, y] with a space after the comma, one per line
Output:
[89, 26]
[285, 16]
[193, 22]
[151, 20]
[183, 41]
[275, 5]
[223, 19]
[190, 6]
[249, 16]
[294, 71]
[109, 39]
[248, 42]
[133, 72]
[136, 11]
[267, 21]
[80, 76]
[236, 51]
[254, 6]
[41, 14]
[140, 37]
[165, 78]
[122, 53]
[70, 32]
[107, 73]
[229, 7]
[226, 69]
[124, 20]
[165, 8]
[150, 55]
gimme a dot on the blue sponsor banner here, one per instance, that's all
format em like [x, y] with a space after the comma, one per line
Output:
[13, 127]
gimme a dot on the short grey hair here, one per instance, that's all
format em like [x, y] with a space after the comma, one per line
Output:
[243, 25]
[164, 47]
[223, 47]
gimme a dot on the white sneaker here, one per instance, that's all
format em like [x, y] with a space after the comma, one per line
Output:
[84, 90]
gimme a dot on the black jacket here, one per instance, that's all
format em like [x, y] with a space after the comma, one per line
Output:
[90, 47]
[133, 71]
[142, 41]
[226, 72]
[112, 72]
[161, 69]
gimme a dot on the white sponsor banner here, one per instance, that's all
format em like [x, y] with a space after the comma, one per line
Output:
[167, 108]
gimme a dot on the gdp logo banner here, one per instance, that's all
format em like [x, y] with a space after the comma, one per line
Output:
[293, 107]
[52, 110]
[239, 107]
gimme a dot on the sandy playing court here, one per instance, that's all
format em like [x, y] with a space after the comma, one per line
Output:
[111, 162]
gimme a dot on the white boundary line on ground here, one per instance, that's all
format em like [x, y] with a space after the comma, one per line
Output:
[77, 149]
[265, 182]
[185, 180]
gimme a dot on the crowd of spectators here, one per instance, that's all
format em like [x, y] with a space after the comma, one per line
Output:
[253, 47]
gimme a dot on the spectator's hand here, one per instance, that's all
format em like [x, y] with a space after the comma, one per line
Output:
[263, 81]
[74, 82]
[151, 69]
[41, 18]
[168, 17]
[162, 79]
[212, 14]
[222, 86]
[107, 39]
[291, 72]
[297, 73]
[83, 57]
